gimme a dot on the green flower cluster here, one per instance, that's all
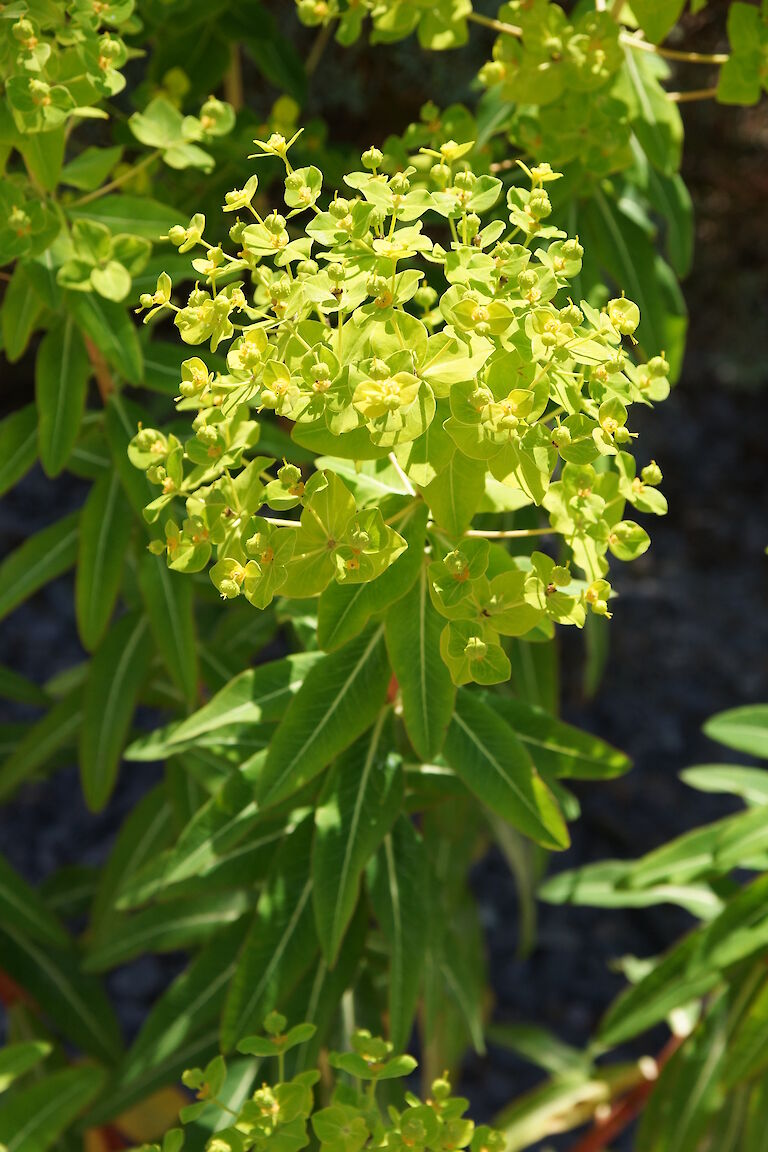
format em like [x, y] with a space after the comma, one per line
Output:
[60, 59]
[283, 1117]
[451, 366]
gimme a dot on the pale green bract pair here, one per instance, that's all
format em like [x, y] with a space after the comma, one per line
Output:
[450, 366]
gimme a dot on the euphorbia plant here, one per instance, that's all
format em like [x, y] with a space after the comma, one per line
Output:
[447, 384]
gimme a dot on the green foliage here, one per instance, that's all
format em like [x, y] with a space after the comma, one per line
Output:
[410, 397]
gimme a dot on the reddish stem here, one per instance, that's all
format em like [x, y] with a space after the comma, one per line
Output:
[626, 1110]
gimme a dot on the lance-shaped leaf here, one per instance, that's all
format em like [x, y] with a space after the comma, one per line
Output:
[357, 807]
[19, 315]
[42, 557]
[18, 446]
[164, 928]
[74, 1003]
[62, 371]
[22, 908]
[109, 327]
[454, 495]
[116, 674]
[105, 529]
[398, 882]
[168, 600]
[57, 730]
[281, 943]
[180, 1030]
[743, 728]
[32, 1119]
[219, 850]
[256, 696]
[483, 751]
[339, 699]
[733, 779]
[16, 1059]
[426, 689]
[558, 749]
[146, 831]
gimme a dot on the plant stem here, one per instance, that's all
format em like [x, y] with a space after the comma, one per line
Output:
[623, 1113]
[104, 380]
[694, 94]
[233, 78]
[317, 49]
[496, 25]
[511, 534]
[282, 523]
[673, 53]
[145, 163]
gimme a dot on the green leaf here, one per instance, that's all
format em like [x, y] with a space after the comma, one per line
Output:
[43, 154]
[146, 831]
[558, 749]
[455, 494]
[137, 215]
[540, 1047]
[56, 730]
[19, 314]
[14, 686]
[356, 809]
[33, 1119]
[89, 169]
[181, 1028]
[748, 1050]
[339, 699]
[655, 119]
[62, 371]
[749, 783]
[22, 909]
[41, 558]
[105, 531]
[604, 885]
[256, 696]
[16, 1059]
[281, 942]
[169, 927]
[18, 446]
[483, 751]
[397, 886]
[114, 679]
[76, 1004]
[169, 603]
[413, 629]
[745, 729]
[657, 18]
[109, 326]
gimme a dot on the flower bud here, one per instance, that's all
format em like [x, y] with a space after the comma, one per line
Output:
[307, 267]
[289, 475]
[399, 184]
[372, 158]
[339, 208]
[651, 474]
[658, 366]
[476, 648]
[561, 436]
[572, 315]
[465, 181]
[624, 315]
[441, 174]
[539, 204]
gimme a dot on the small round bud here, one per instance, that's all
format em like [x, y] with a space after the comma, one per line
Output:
[527, 279]
[572, 249]
[399, 184]
[561, 436]
[378, 370]
[441, 174]
[624, 315]
[651, 474]
[476, 648]
[339, 208]
[571, 314]
[539, 204]
[465, 181]
[658, 366]
[307, 267]
[372, 158]
[289, 475]
[622, 435]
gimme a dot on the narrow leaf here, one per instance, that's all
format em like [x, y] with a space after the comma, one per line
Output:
[169, 603]
[105, 530]
[114, 679]
[339, 699]
[42, 557]
[483, 751]
[357, 807]
[427, 691]
[18, 446]
[33, 1119]
[62, 371]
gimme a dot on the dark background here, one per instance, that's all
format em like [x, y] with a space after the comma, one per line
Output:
[690, 631]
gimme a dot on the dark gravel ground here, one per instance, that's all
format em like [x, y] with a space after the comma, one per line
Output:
[689, 636]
